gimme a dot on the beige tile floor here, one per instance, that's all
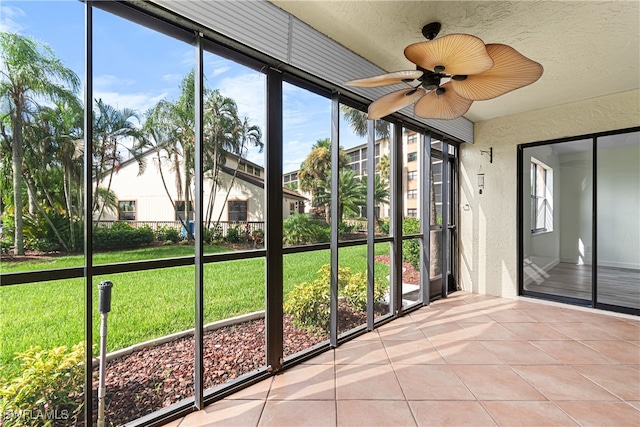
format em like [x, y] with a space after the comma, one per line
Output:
[468, 360]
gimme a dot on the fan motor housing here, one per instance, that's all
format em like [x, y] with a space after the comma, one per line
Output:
[431, 30]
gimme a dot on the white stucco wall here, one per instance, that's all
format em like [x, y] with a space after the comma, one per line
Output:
[488, 234]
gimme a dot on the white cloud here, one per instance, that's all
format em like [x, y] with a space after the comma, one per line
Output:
[139, 102]
[172, 78]
[248, 91]
[106, 81]
[8, 15]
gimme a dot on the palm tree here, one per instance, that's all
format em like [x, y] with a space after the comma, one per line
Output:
[384, 167]
[381, 192]
[171, 126]
[315, 171]
[222, 135]
[350, 193]
[245, 133]
[358, 121]
[53, 168]
[29, 71]
[113, 131]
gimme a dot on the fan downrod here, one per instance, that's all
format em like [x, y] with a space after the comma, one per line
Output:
[431, 30]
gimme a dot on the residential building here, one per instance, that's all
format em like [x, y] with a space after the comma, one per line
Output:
[147, 196]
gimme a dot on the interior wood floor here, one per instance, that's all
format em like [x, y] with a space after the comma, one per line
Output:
[616, 286]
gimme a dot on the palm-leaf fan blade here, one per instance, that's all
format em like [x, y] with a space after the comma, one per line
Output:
[511, 70]
[387, 79]
[457, 53]
[446, 106]
[393, 102]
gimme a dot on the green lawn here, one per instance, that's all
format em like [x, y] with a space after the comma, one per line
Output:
[147, 304]
[106, 257]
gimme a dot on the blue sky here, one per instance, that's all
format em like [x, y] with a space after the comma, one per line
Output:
[135, 67]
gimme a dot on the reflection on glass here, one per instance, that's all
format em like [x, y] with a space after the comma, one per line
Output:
[234, 304]
[618, 175]
[143, 141]
[42, 63]
[234, 172]
[307, 166]
[306, 288]
[557, 210]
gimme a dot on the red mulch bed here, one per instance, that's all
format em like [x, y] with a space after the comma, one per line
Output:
[409, 274]
[156, 377]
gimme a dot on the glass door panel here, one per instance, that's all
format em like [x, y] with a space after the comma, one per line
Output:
[618, 175]
[557, 186]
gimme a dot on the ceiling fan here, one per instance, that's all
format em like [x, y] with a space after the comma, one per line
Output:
[451, 72]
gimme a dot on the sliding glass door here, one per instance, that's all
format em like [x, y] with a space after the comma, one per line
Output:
[579, 230]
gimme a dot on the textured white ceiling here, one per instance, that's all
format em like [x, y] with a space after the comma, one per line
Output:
[588, 49]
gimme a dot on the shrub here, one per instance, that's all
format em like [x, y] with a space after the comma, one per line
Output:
[257, 236]
[122, 235]
[343, 228]
[411, 248]
[355, 291]
[309, 302]
[300, 229]
[168, 233]
[233, 235]
[384, 226]
[49, 380]
[40, 236]
[207, 235]
[216, 233]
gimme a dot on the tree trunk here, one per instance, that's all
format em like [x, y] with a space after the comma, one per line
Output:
[32, 201]
[16, 165]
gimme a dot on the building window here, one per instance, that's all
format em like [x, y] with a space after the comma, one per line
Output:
[412, 139]
[237, 210]
[179, 205]
[126, 210]
[256, 171]
[355, 156]
[241, 166]
[412, 157]
[412, 175]
[412, 213]
[364, 167]
[377, 150]
[412, 194]
[292, 208]
[364, 153]
[541, 197]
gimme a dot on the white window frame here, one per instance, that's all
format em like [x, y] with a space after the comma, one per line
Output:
[541, 194]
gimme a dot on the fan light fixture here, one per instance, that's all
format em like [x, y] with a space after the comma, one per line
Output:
[451, 72]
